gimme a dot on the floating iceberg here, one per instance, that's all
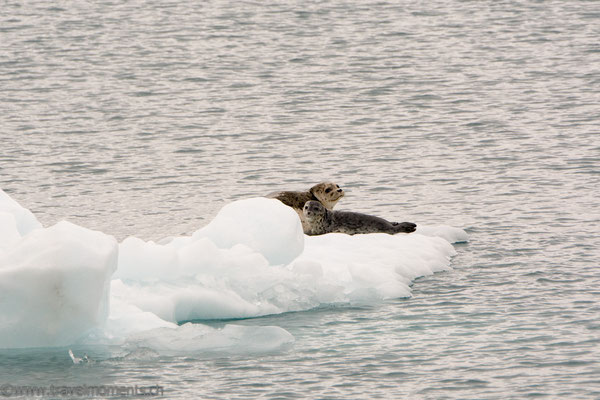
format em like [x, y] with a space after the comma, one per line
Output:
[54, 282]
[251, 260]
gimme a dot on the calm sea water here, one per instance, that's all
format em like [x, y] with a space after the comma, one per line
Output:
[145, 117]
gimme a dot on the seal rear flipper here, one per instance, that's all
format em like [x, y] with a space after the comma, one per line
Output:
[406, 227]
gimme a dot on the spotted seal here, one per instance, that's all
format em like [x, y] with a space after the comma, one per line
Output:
[321, 221]
[326, 193]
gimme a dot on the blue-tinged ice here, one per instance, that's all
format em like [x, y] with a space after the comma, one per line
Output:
[54, 285]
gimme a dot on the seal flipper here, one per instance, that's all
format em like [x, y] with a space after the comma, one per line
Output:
[406, 227]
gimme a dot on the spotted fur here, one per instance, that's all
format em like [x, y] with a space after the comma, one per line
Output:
[320, 220]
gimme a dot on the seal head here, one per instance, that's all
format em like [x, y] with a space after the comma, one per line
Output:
[317, 217]
[326, 193]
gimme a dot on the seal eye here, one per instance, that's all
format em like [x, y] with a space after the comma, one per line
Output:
[327, 190]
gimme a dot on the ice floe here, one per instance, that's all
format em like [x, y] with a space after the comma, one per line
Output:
[60, 283]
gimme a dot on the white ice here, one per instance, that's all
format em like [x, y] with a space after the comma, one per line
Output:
[15, 221]
[54, 285]
[251, 260]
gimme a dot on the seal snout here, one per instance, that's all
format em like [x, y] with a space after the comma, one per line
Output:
[339, 190]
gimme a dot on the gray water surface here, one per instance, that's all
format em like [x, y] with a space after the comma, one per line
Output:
[146, 117]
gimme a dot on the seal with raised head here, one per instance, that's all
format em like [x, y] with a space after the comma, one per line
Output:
[326, 193]
[321, 221]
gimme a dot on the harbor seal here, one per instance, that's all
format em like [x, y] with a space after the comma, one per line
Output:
[321, 221]
[326, 193]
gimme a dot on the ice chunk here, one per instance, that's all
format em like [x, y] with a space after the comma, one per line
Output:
[78, 360]
[449, 233]
[265, 225]
[24, 221]
[54, 286]
[190, 339]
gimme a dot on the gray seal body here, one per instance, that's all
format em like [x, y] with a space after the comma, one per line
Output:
[321, 220]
